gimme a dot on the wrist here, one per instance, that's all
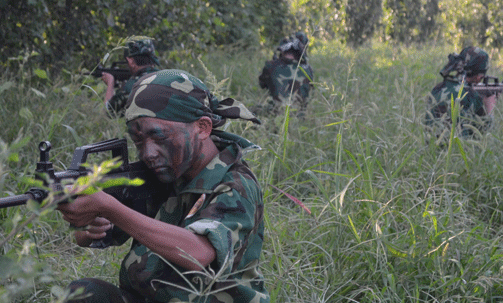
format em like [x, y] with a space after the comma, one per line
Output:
[107, 205]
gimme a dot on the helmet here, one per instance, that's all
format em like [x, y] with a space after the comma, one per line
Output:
[138, 47]
[476, 60]
[297, 42]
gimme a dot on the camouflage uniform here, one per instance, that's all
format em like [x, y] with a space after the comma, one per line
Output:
[472, 116]
[116, 105]
[223, 203]
[287, 80]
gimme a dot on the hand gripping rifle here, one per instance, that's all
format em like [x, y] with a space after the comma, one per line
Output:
[120, 74]
[132, 196]
[489, 86]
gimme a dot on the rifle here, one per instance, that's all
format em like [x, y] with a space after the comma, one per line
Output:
[488, 88]
[131, 196]
[120, 74]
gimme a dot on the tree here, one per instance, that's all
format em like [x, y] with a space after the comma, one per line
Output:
[362, 19]
[409, 21]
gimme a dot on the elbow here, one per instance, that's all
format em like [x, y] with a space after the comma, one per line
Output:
[204, 255]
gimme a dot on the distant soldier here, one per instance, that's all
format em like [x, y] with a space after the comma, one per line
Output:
[140, 56]
[475, 116]
[288, 78]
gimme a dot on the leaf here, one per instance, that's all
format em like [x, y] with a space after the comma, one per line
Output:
[293, 199]
[25, 113]
[33, 206]
[58, 291]
[38, 93]
[41, 73]
[105, 58]
[74, 134]
[6, 85]
[14, 157]
[121, 181]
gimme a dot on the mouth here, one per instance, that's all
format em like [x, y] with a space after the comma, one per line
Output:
[159, 169]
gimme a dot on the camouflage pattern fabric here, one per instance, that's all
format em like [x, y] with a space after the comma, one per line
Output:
[287, 82]
[476, 60]
[116, 106]
[181, 97]
[137, 47]
[471, 61]
[223, 203]
[473, 118]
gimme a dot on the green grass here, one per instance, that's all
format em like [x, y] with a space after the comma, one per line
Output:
[393, 219]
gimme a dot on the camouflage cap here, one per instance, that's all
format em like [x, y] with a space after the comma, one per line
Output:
[476, 60]
[140, 47]
[176, 95]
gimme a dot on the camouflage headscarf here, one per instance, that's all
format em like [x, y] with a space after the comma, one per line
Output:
[141, 47]
[176, 95]
[476, 60]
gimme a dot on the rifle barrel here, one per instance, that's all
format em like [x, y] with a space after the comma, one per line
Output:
[15, 200]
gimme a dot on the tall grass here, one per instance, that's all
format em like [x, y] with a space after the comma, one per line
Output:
[393, 219]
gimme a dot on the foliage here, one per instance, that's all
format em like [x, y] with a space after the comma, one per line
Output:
[407, 21]
[183, 29]
[50, 28]
[362, 19]
[465, 22]
[320, 18]
[495, 30]
[392, 219]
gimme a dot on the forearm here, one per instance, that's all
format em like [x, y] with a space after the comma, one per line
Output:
[489, 103]
[169, 241]
[109, 93]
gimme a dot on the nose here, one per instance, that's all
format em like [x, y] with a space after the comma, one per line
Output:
[149, 152]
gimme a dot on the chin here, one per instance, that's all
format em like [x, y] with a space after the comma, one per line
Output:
[166, 179]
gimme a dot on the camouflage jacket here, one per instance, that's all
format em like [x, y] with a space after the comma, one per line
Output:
[280, 75]
[116, 105]
[223, 203]
[472, 114]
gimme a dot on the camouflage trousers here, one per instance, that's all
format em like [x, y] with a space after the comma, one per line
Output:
[98, 291]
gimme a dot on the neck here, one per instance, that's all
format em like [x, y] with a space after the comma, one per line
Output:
[135, 69]
[207, 152]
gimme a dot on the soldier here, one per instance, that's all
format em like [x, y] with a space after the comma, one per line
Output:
[204, 242]
[475, 116]
[140, 56]
[288, 78]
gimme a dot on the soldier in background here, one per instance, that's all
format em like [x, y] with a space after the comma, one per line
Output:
[140, 56]
[475, 116]
[289, 76]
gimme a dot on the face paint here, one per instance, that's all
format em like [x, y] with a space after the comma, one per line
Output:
[168, 148]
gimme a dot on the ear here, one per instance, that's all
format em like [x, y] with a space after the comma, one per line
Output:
[204, 127]
[130, 61]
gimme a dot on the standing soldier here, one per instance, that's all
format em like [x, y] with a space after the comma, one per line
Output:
[288, 78]
[140, 56]
[475, 116]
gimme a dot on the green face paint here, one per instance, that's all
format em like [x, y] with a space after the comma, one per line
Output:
[168, 148]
